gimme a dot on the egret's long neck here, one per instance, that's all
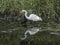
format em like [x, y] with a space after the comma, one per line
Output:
[26, 15]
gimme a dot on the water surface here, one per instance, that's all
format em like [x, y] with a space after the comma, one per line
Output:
[41, 37]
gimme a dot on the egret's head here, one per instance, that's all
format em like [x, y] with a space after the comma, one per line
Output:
[24, 11]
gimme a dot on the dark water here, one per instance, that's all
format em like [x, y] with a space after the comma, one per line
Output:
[42, 37]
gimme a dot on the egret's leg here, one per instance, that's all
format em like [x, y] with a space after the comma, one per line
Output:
[37, 24]
[31, 23]
[34, 24]
[24, 23]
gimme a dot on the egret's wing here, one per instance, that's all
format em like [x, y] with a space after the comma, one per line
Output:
[34, 17]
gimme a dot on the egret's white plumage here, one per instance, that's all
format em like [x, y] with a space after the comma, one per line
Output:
[33, 17]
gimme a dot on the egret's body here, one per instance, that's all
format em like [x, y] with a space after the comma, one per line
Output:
[32, 17]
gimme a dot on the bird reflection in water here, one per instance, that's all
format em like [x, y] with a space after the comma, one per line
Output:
[31, 31]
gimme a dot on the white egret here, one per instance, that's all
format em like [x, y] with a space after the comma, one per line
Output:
[32, 17]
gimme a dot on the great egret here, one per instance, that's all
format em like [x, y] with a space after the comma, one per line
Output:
[32, 17]
[31, 31]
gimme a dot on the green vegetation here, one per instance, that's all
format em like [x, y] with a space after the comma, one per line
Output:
[47, 9]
